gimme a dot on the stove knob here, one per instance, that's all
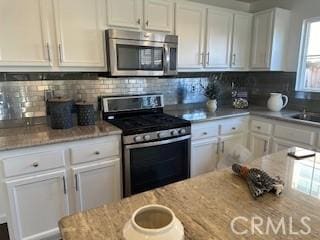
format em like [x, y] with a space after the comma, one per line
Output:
[174, 133]
[182, 131]
[146, 137]
[161, 135]
[137, 139]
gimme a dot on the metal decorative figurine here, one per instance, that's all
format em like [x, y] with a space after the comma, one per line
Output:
[259, 182]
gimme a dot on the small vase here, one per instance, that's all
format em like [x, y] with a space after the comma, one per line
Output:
[212, 105]
[153, 222]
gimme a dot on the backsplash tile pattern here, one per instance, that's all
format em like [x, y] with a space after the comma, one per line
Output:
[19, 99]
[22, 95]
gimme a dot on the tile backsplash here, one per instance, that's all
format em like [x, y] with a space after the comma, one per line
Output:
[22, 95]
[19, 99]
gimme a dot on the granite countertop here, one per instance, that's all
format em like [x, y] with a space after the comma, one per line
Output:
[207, 204]
[13, 138]
[199, 113]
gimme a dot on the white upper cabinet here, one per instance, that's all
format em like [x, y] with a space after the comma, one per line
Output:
[269, 37]
[79, 33]
[190, 27]
[158, 15]
[24, 37]
[242, 24]
[124, 13]
[219, 36]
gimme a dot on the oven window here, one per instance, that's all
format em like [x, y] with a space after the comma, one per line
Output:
[156, 166]
[132, 57]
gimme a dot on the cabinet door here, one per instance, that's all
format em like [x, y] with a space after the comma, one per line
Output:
[97, 184]
[190, 27]
[158, 15]
[79, 35]
[24, 34]
[262, 40]
[259, 145]
[219, 36]
[37, 203]
[124, 13]
[280, 145]
[227, 145]
[241, 41]
[204, 156]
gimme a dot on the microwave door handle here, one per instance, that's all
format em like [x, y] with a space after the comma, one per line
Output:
[166, 59]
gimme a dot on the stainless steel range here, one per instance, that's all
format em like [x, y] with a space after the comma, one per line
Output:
[156, 146]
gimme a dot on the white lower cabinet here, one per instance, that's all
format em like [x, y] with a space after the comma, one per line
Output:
[204, 155]
[37, 203]
[212, 140]
[279, 145]
[259, 145]
[227, 145]
[43, 184]
[96, 184]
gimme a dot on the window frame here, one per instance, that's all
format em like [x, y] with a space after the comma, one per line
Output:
[300, 81]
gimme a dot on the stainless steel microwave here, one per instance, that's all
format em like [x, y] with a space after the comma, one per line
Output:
[131, 53]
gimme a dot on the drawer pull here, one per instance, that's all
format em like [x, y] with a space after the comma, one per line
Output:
[35, 164]
[234, 128]
[97, 153]
[258, 127]
[204, 133]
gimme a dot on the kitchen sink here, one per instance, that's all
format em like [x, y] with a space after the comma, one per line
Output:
[312, 117]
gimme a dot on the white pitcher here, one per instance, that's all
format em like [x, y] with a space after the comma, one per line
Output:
[275, 102]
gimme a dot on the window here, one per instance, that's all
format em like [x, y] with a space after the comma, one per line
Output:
[308, 77]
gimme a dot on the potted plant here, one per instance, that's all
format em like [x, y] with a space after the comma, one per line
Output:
[211, 91]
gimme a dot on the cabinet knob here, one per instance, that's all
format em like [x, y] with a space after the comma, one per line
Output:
[35, 164]
[96, 152]
[259, 127]
[234, 128]
[139, 21]
[147, 23]
[204, 133]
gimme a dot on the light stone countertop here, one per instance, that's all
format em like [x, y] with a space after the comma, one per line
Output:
[207, 204]
[198, 113]
[14, 138]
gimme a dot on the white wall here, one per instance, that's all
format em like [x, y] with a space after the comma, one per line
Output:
[233, 4]
[301, 9]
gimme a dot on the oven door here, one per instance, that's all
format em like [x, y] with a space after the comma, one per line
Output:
[155, 164]
[136, 58]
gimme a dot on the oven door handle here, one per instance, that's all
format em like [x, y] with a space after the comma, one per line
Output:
[157, 143]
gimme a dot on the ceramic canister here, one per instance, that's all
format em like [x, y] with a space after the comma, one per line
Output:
[85, 114]
[60, 110]
[153, 222]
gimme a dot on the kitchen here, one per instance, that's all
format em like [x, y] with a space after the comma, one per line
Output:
[153, 80]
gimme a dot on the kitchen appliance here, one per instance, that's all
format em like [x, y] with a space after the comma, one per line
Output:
[156, 146]
[133, 53]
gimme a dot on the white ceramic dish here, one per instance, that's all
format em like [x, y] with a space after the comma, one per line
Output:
[153, 222]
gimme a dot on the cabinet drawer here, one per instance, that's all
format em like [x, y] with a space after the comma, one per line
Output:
[233, 126]
[90, 152]
[261, 127]
[34, 162]
[295, 135]
[204, 130]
